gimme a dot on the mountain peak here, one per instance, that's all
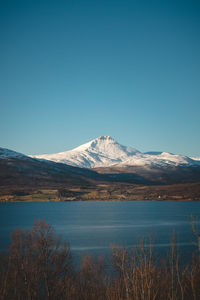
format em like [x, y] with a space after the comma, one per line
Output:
[105, 151]
[102, 151]
[105, 137]
[106, 146]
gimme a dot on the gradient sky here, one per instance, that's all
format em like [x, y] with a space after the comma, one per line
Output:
[74, 70]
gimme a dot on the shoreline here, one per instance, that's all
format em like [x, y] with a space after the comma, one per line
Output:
[100, 200]
[102, 192]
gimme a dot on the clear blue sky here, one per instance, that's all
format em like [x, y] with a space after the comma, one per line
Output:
[74, 70]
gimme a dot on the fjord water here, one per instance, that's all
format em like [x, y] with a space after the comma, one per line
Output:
[92, 227]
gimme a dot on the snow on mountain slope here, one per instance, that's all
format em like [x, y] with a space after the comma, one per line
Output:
[104, 151]
[6, 153]
[162, 159]
[196, 158]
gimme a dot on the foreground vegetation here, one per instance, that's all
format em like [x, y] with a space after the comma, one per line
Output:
[39, 266]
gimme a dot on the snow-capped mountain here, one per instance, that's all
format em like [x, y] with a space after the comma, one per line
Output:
[111, 161]
[104, 151]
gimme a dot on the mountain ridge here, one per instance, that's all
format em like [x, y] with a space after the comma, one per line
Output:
[23, 175]
[104, 151]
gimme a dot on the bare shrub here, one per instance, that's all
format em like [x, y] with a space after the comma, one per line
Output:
[91, 279]
[37, 265]
[137, 274]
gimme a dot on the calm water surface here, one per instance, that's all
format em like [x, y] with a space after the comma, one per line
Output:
[92, 227]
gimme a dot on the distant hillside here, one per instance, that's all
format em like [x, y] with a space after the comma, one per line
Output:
[153, 174]
[20, 171]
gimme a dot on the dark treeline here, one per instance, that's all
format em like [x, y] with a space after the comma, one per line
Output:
[38, 265]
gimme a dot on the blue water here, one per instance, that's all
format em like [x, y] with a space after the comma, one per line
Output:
[92, 227]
